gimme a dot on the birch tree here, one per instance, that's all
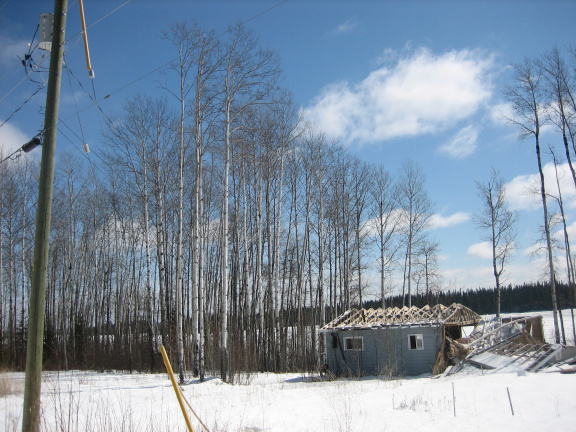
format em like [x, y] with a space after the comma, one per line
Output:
[185, 43]
[525, 97]
[385, 220]
[208, 65]
[416, 210]
[250, 75]
[361, 185]
[570, 272]
[140, 147]
[497, 221]
[556, 88]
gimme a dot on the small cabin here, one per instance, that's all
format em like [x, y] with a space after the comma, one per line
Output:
[406, 341]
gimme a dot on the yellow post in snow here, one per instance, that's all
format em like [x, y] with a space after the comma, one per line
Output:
[176, 388]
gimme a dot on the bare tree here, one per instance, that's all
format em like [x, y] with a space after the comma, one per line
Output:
[385, 220]
[16, 205]
[250, 75]
[315, 155]
[361, 185]
[557, 90]
[497, 220]
[428, 269]
[141, 149]
[569, 261]
[288, 121]
[416, 210]
[525, 97]
[186, 44]
[204, 114]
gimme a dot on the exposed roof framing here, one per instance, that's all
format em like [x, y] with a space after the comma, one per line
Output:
[519, 341]
[456, 314]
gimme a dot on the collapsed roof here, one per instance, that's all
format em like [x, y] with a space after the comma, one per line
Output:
[498, 343]
[356, 319]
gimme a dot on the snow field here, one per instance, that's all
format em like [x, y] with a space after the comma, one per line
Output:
[91, 401]
[86, 401]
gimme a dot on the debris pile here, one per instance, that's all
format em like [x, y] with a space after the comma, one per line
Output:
[497, 343]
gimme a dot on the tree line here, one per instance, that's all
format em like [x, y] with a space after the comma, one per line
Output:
[527, 297]
[218, 223]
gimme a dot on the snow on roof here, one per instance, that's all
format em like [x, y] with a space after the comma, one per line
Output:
[455, 314]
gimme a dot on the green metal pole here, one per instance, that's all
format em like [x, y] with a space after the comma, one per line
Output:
[36, 312]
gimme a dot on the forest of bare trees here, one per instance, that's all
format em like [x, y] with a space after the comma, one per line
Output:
[221, 225]
[217, 222]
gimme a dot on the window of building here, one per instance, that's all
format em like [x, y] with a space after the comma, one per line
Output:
[416, 342]
[355, 343]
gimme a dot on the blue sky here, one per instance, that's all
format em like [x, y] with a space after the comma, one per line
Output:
[393, 80]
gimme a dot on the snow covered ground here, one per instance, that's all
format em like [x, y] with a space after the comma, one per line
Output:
[471, 400]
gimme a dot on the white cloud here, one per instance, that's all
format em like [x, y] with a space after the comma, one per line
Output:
[439, 221]
[10, 50]
[470, 277]
[388, 55]
[11, 139]
[349, 25]
[518, 192]
[535, 249]
[418, 94]
[499, 112]
[571, 229]
[462, 144]
[523, 192]
[483, 276]
[73, 98]
[372, 225]
[481, 250]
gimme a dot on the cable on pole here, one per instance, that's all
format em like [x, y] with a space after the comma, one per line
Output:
[20, 107]
[84, 144]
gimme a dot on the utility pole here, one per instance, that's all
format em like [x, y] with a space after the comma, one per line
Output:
[37, 309]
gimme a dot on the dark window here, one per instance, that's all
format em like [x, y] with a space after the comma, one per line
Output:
[354, 343]
[416, 342]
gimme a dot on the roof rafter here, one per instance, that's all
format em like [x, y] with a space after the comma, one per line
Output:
[455, 314]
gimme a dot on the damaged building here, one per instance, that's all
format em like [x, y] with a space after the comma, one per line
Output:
[411, 341]
[513, 341]
[394, 341]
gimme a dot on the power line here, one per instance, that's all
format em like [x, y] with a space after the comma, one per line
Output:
[28, 61]
[118, 90]
[32, 69]
[101, 19]
[23, 103]
[75, 104]
[109, 13]
[96, 101]
[27, 147]
[266, 11]
[11, 156]
[90, 162]
[4, 5]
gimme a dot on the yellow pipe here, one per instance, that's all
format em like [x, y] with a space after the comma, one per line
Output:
[176, 388]
[86, 50]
